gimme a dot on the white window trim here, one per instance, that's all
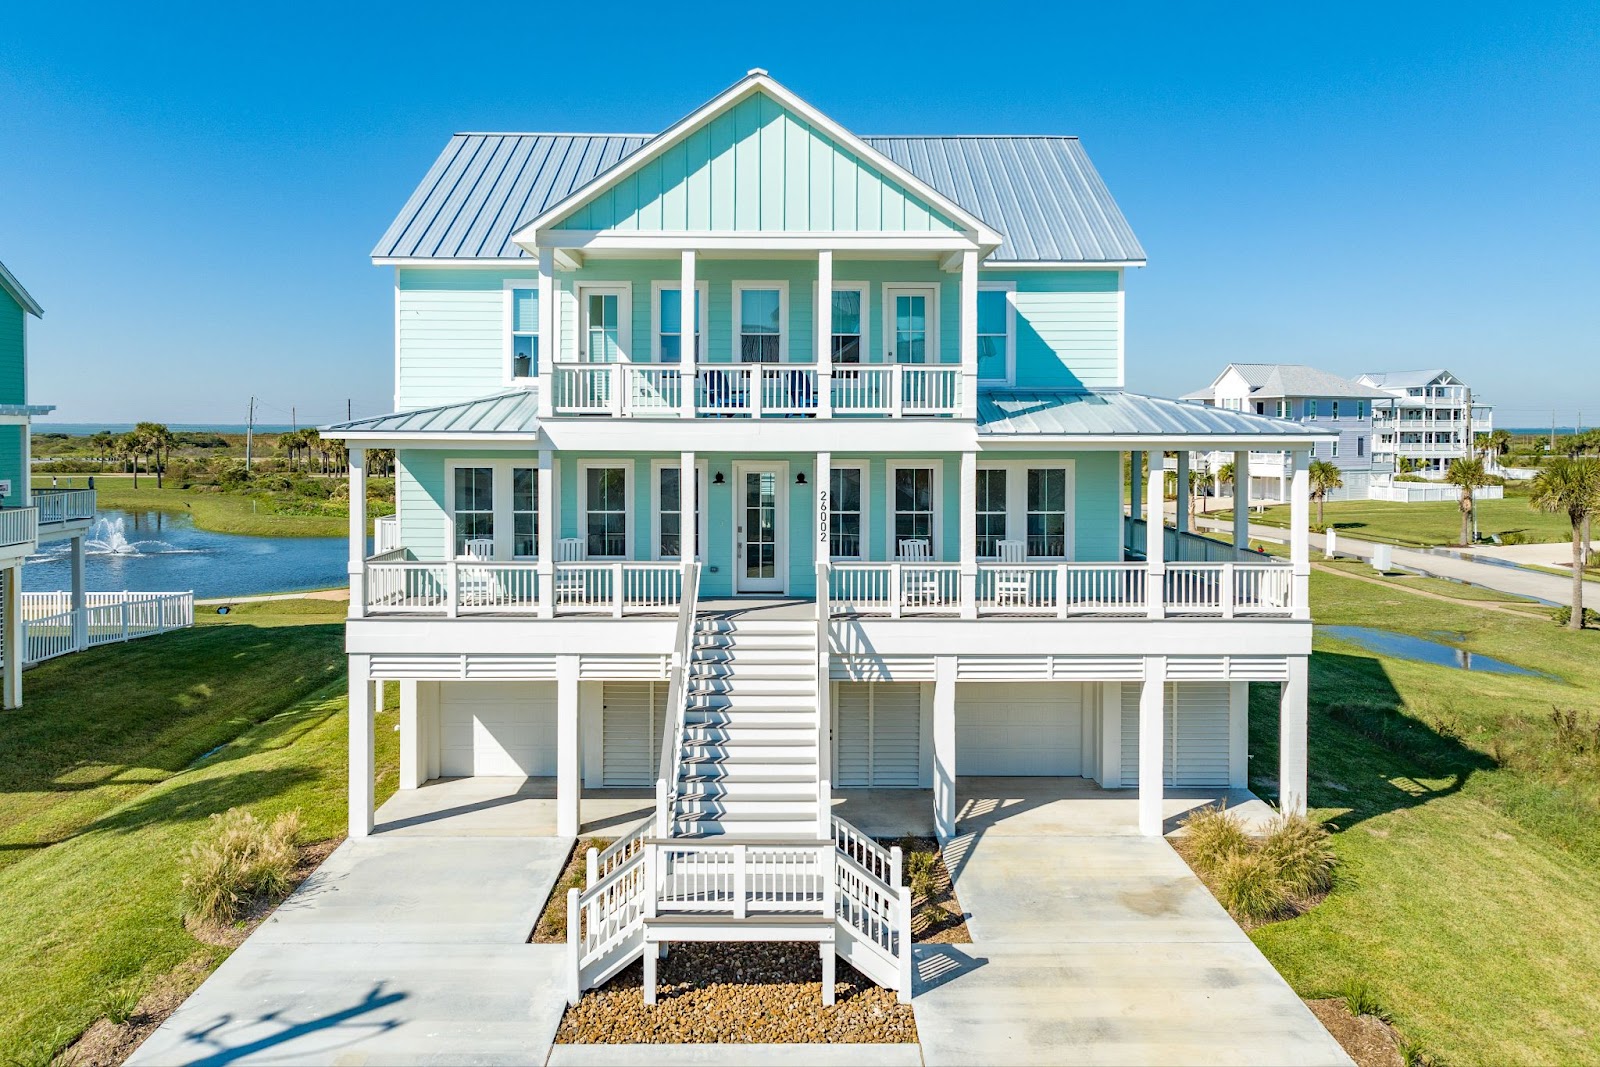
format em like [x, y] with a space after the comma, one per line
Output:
[783, 316]
[865, 291]
[866, 510]
[703, 467]
[504, 513]
[624, 293]
[1010, 289]
[1017, 503]
[928, 289]
[508, 320]
[656, 288]
[891, 468]
[627, 468]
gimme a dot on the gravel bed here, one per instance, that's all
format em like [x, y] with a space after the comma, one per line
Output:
[936, 919]
[755, 993]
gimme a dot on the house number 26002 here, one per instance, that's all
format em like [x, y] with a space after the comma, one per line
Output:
[822, 515]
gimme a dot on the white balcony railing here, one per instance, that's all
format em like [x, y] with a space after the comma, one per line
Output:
[18, 526]
[52, 628]
[385, 534]
[64, 505]
[453, 588]
[755, 390]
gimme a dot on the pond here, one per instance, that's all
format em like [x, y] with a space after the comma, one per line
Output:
[158, 552]
[1421, 650]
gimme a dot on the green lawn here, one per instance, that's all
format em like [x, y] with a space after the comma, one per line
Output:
[1429, 523]
[111, 769]
[233, 513]
[1469, 894]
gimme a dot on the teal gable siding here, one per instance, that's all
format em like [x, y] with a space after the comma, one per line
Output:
[13, 348]
[1069, 327]
[757, 167]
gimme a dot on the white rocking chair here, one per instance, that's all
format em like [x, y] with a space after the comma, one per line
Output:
[919, 587]
[571, 585]
[1011, 586]
[474, 584]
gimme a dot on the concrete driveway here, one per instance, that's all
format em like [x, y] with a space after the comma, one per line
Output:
[401, 948]
[1101, 949]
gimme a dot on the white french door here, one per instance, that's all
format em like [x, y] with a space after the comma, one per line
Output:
[761, 552]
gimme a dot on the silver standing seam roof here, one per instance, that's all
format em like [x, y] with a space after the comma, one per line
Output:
[507, 413]
[1290, 380]
[1042, 193]
[1112, 413]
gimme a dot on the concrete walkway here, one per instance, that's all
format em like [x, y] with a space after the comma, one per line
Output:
[1103, 950]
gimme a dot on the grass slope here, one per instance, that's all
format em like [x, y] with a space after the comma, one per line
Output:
[232, 513]
[1434, 522]
[109, 774]
[1469, 892]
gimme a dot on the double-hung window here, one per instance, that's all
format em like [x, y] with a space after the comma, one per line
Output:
[845, 523]
[496, 504]
[669, 323]
[606, 512]
[1312, 407]
[1047, 512]
[1335, 404]
[1283, 409]
[524, 331]
[473, 506]
[913, 498]
[995, 345]
[759, 310]
[991, 511]
[669, 512]
[524, 512]
[849, 324]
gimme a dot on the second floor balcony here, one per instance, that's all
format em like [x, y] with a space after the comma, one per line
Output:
[755, 390]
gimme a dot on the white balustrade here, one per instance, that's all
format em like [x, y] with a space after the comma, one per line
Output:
[48, 618]
[18, 526]
[788, 390]
[726, 389]
[863, 389]
[654, 389]
[930, 390]
[64, 505]
[584, 388]
[754, 390]
[473, 587]
[385, 534]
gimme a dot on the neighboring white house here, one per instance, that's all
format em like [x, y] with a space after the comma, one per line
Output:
[1423, 422]
[1309, 396]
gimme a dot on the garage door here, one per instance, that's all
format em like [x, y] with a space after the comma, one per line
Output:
[497, 728]
[1019, 728]
[632, 720]
[1196, 734]
[877, 734]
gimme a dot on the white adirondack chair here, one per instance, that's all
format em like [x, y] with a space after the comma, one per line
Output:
[1011, 586]
[918, 587]
[571, 586]
[473, 583]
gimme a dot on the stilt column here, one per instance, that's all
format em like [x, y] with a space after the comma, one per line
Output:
[362, 757]
[568, 784]
[1152, 744]
[1292, 739]
[944, 747]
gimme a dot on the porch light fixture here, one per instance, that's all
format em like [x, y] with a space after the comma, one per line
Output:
[718, 479]
[800, 479]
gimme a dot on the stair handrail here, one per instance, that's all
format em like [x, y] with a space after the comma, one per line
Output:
[608, 914]
[677, 701]
[881, 915]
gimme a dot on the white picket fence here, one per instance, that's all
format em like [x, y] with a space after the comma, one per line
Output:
[50, 628]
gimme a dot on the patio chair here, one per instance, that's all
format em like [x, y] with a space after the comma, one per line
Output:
[919, 587]
[1011, 586]
[571, 586]
[474, 584]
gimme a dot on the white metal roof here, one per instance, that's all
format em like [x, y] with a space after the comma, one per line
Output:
[504, 413]
[1113, 413]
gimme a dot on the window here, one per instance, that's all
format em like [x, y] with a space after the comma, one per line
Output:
[1283, 409]
[1335, 404]
[1335, 446]
[524, 512]
[991, 511]
[845, 512]
[1261, 407]
[603, 334]
[524, 332]
[1361, 409]
[849, 324]
[669, 322]
[759, 313]
[908, 318]
[669, 511]
[1311, 408]
[1047, 512]
[913, 508]
[474, 506]
[1361, 447]
[606, 512]
[995, 320]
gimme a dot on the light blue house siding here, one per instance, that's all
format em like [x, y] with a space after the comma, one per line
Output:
[450, 326]
[757, 167]
[1069, 327]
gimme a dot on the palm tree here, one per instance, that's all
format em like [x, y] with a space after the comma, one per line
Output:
[1500, 442]
[104, 444]
[311, 440]
[1571, 486]
[157, 442]
[1467, 475]
[128, 448]
[1325, 477]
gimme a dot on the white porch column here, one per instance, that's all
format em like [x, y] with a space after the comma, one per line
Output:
[1292, 739]
[362, 758]
[969, 535]
[413, 748]
[1136, 485]
[1152, 744]
[1241, 500]
[969, 333]
[80, 599]
[549, 343]
[824, 335]
[358, 532]
[821, 532]
[568, 784]
[548, 529]
[689, 547]
[1181, 501]
[944, 747]
[1300, 536]
[1155, 539]
[689, 323]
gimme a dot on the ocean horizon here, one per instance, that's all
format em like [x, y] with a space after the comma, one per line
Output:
[85, 429]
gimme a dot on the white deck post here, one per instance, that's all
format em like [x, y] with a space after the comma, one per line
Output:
[969, 333]
[1155, 540]
[413, 752]
[1136, 485]
[1300, 538]
[824, 334]
[944, 747]
[969, 535]
[547, 533]
[11, 621]
[1181, 501]
[80, 607]
[1241, 500]
[362, 757]
[567, 764]
[358, 532]
[549, 345]
[689, 328]
[1292, 739]
[1239, 735]
[688, 510]
[828, 956]
[1152, 744]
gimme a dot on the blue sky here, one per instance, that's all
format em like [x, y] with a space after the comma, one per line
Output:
[192, 192]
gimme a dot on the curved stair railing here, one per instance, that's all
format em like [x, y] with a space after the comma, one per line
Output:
[605, 921]
[677, 702]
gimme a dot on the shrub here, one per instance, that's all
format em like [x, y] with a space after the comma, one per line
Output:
[919, 873]
[1514, 537]
[121, 1002]
[1212, 836]
[1563, 615]
[1248, 885]
[1359, 999]
[1298, 851]
[1574, 735]
[241, 860]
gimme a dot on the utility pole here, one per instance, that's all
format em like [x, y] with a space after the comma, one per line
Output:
[1552, 431]
[249, 433]
[294, 420]
[346, 409]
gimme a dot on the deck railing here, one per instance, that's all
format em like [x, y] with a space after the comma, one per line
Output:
[452, 588]
[64, 505]
[18, 526]
[52, 628]
[755, 390]
[385, 534]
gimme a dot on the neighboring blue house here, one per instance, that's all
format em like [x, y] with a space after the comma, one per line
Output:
[853, 515]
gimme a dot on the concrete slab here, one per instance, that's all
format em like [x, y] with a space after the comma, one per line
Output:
[799, 1055]
[504, 807]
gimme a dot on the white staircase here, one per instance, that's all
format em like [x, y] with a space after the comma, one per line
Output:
[748, 753]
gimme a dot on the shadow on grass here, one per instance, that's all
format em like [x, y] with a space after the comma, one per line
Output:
[1355, 708]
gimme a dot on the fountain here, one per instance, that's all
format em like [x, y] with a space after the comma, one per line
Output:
[109, 537]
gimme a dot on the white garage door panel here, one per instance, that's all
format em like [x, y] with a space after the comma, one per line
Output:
[632, 721]
[497, 728]
[1196, 749]
[1019, 728]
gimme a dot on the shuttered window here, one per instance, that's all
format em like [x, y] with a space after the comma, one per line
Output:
[1196, 734]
